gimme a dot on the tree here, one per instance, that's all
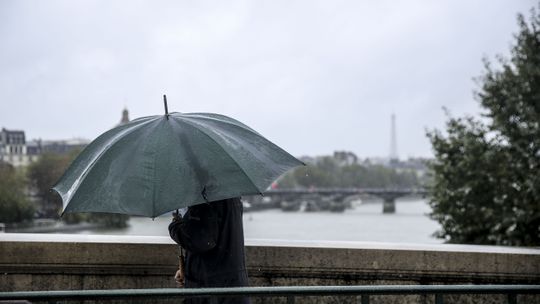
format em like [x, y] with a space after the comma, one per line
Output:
[486, 175]
[43, 174]
[326, 172]
[14, 206]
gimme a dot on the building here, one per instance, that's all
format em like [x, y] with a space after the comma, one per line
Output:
[13, 147]
[33, 150]
[61, 146]
[16, 151]
[345, 158]
[125, 117]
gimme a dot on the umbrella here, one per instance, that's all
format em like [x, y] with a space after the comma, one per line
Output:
[156, 164]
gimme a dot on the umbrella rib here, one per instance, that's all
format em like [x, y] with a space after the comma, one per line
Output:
[154, 180]
[196, 126]
[234, 123]
[230, 121]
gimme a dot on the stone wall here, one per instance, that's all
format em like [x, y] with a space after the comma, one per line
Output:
[63, 262]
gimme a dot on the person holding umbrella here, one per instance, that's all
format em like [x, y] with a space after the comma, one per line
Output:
[213, 237]
[200, 161]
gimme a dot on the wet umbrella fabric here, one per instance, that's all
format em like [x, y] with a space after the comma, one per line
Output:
[156, 164]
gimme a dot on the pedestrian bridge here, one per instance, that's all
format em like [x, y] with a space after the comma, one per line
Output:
[77, 262]
[333, 199]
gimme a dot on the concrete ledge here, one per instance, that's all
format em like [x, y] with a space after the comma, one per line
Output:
[55, 261]
[421, 263]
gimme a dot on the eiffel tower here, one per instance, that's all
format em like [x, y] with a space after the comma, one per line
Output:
[394, 158]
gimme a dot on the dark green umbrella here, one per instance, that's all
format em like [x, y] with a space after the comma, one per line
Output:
[156, 164]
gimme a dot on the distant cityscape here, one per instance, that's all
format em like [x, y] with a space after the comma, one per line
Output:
[18, 152]
[346, 158]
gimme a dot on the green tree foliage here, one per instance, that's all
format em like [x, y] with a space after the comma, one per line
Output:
[328, 173]
[43, 174]
[14, 205]
[486, 176]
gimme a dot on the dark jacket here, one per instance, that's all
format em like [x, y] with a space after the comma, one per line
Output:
[212, 235]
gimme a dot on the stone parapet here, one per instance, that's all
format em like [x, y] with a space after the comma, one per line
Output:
[59, 262]
[348, 262]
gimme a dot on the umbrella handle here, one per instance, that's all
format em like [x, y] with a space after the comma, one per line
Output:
[180, 273]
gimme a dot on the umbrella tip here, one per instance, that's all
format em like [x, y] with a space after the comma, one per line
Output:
[165, 104]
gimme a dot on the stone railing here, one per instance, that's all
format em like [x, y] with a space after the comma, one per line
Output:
[68, 262]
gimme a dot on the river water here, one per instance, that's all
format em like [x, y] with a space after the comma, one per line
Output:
[364, 222]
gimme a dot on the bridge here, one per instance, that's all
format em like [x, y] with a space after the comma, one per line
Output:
[333, 199]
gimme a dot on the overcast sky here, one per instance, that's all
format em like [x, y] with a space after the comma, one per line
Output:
[312, 76]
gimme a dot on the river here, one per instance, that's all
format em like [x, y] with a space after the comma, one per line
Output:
[364, 222]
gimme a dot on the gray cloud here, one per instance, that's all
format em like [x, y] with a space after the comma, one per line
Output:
[313, 76]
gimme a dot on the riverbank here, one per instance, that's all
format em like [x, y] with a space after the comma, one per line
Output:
[52, 227]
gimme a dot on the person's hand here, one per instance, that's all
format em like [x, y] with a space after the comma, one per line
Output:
[179, 278]
[176, 216]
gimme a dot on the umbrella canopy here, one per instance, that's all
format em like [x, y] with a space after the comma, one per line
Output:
[156, 164]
